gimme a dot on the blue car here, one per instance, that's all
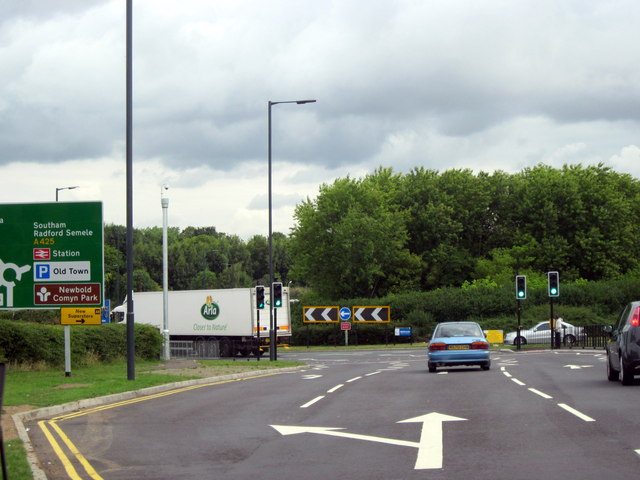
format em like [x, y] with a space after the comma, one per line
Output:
[458, 343]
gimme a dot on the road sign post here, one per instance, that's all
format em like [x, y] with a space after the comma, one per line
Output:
[345, 326]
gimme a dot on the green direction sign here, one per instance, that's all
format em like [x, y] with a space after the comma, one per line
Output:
[51, 255]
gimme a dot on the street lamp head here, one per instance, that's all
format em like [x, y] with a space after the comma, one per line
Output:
[300, 102]
[64, 188]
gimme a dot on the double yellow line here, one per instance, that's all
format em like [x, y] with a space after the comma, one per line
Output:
[47, 426]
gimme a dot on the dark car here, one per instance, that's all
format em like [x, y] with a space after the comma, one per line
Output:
[623, 348]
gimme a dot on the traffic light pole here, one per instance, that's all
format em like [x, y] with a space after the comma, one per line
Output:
[274, 349]
[258, 325]
[552, 324]
[518, 329]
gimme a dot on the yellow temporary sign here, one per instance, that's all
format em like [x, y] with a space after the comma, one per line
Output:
[81, 316]
[495, 336]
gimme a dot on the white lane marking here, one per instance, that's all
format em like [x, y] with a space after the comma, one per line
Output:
[372, 373]
[308, 404]
[311, 376]
[517, 381]
[538, 392]
[578, 414]
[354, 379]
[507, 374]
[577, 367]
[335, 388]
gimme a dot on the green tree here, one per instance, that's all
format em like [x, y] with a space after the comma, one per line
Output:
[350, 242]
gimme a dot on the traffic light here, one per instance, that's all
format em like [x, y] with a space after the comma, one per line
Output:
[521, 287]
[554, 284]
[277, 294]
[260, 297]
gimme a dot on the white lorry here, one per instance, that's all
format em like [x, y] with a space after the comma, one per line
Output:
[227, 318]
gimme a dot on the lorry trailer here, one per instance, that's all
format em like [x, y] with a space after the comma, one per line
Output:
[228, 318]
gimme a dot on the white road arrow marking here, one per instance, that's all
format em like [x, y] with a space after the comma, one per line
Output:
[577, 367]
[429, 447]
[292, 430]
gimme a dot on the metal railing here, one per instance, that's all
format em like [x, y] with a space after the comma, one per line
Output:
[594, 337]
[195, 349]
[578, 336]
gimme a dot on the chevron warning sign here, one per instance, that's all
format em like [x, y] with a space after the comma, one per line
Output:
[320, 314]
[371, 314]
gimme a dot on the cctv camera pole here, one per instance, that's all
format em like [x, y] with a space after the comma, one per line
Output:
[164, 201]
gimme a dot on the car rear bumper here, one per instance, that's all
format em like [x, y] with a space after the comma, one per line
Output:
[459, 357]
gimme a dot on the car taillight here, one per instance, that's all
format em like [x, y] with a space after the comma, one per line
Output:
[635, 320]
[437, 346]
[479, 346]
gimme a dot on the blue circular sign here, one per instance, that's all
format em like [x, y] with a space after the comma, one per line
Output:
[345, 313]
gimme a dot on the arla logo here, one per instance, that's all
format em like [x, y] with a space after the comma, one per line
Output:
[210, 310]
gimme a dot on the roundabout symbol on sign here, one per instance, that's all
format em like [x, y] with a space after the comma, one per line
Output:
[345, 313]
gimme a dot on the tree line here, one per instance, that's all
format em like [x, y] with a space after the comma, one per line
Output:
[390, 232]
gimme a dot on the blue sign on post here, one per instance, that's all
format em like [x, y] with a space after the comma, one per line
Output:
[345, 313]
[106, 310]
[403, 332]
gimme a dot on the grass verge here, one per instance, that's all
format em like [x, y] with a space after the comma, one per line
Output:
[17, 466]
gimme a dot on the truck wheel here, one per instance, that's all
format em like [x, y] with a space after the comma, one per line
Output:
[257, 352]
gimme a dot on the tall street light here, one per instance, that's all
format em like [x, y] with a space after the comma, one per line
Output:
[273, 325]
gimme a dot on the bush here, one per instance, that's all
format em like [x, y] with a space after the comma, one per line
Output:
[31, 343]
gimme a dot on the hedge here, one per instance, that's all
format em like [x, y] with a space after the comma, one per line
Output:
[27, 343]
[580, 303]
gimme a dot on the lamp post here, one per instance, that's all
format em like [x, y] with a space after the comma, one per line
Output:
[164, 200]
[67, 328]
[64, 188]
[273, 325]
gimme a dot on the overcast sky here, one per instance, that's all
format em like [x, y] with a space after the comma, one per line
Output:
[486, 85]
